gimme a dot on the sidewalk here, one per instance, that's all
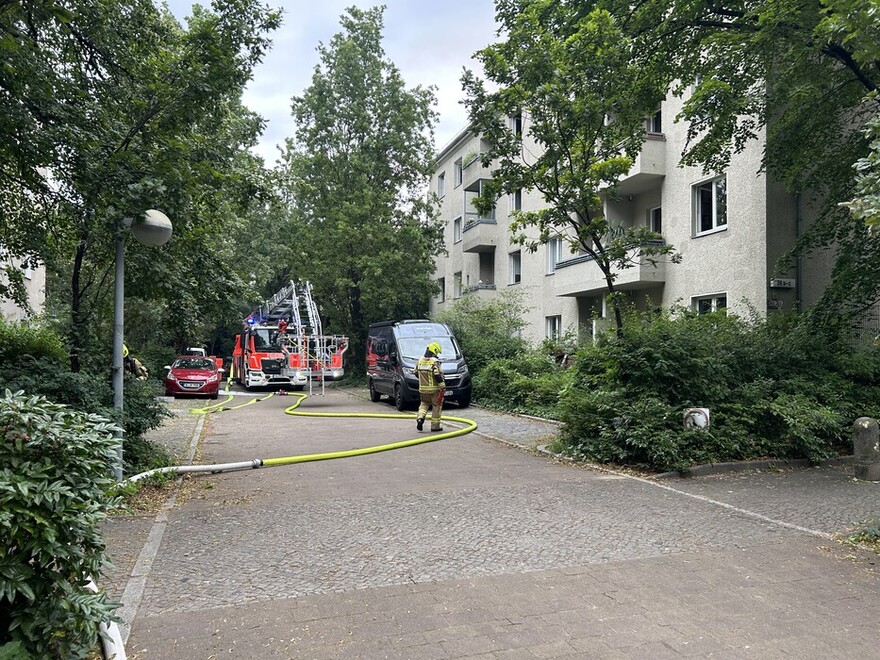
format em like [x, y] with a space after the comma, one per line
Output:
[471, 547]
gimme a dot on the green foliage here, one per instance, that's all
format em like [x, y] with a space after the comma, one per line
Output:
[487, 329]
[357, 171]
[22, 339]
[774, 389]
[55, 472]
[529, 383]
[126, 110]
[32, 360]
[567, 68]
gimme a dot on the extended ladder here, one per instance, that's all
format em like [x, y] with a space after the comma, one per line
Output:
[306, 349]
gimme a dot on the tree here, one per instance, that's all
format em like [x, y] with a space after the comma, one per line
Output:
[803, 76]
[113, 108]
[569, 69]
[356, 172]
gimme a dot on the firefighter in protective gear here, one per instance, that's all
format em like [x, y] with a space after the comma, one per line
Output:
[432, 387]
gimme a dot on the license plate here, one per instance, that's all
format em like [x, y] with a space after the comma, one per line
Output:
[192, 386]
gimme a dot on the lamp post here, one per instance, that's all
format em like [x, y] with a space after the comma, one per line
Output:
[153, 229]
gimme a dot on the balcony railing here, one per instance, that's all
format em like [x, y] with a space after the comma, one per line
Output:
[580, 275]
[648, 169]
[481, 291]
[480, 234]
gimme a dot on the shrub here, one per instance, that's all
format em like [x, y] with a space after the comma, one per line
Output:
[486, 329]
[529, 383]
[34, 361]
[775, 390]
[55, 475]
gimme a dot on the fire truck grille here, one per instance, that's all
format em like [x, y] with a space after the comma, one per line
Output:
[272, 366]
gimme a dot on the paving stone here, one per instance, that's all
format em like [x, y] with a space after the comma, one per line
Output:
[470, 547]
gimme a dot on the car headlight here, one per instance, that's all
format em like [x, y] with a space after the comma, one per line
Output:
[212, 379]
[462, 368]
[409, 372]
[171, 377]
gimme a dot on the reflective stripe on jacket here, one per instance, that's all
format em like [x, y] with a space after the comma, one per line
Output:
[430, 375]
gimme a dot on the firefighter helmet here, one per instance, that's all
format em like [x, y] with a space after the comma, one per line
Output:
[434, 347]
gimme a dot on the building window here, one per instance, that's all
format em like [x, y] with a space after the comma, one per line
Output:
[441, 184]
[710, 205]
[655, 122]
[441, 282]
[456, 285]
[456, 173]
[515, 268]
[707, 304]
[456, 230]
[554, 327]
[554, 253]
[655, 220]
[516, 200]
[516, 124]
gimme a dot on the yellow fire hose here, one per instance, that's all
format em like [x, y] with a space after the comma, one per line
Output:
[469, 426]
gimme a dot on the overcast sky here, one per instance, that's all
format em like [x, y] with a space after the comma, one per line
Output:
[430, 42]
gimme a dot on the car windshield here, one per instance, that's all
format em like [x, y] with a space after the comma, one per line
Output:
[197, 363]
[414, 347]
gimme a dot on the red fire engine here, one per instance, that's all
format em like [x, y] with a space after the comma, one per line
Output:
[282, 343]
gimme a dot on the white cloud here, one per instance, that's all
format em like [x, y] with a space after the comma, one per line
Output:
[429, 42]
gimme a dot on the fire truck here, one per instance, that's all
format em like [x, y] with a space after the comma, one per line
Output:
[282, 343]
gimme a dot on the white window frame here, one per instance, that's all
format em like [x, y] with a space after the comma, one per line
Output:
[456, 230]
[554, 253]
[516, 200]
[654, 214]
[717, 301]
[654, 123]
[441, 185]
[717, 187]
[516, 124]
[457, 173]
[515, 267]
[553, 326]
[457, 289]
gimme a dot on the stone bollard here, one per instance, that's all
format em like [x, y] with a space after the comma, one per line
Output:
[866, 447]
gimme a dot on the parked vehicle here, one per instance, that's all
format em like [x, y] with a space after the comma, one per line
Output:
[282, 343]
[394, 348]
[194, 376]
[201, 350]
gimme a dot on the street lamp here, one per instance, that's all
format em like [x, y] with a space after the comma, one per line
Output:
[153, 229]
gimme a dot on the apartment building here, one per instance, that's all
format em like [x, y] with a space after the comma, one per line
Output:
[35, 286]
[730, 229]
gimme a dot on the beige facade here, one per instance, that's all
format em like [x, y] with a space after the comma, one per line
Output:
[730, 229]
[35, 285]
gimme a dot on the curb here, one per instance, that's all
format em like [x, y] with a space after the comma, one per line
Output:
[744, 466]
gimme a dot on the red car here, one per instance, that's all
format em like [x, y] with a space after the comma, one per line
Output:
[194, 375]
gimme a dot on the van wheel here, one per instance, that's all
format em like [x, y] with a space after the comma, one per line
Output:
[464, 403]
[374, 395]
[399, 401]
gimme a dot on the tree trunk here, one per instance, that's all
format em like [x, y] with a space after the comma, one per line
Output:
[615, 302]
[75, 333]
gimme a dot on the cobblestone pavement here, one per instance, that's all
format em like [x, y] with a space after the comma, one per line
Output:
[467, 547]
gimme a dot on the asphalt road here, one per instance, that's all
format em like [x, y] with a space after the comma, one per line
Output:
[476, 547]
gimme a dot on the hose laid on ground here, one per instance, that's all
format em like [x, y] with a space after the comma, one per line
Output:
[255, 463]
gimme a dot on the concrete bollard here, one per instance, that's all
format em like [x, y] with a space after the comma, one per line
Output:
[866, 449]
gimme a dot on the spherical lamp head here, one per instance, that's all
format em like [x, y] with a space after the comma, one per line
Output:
[153, 229]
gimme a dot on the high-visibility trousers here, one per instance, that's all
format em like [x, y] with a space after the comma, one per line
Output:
[434, 401]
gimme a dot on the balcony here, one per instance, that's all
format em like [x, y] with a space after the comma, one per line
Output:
[580, 276]
[649, 168]
[473, 172]
[480, 234]
[481, 291]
